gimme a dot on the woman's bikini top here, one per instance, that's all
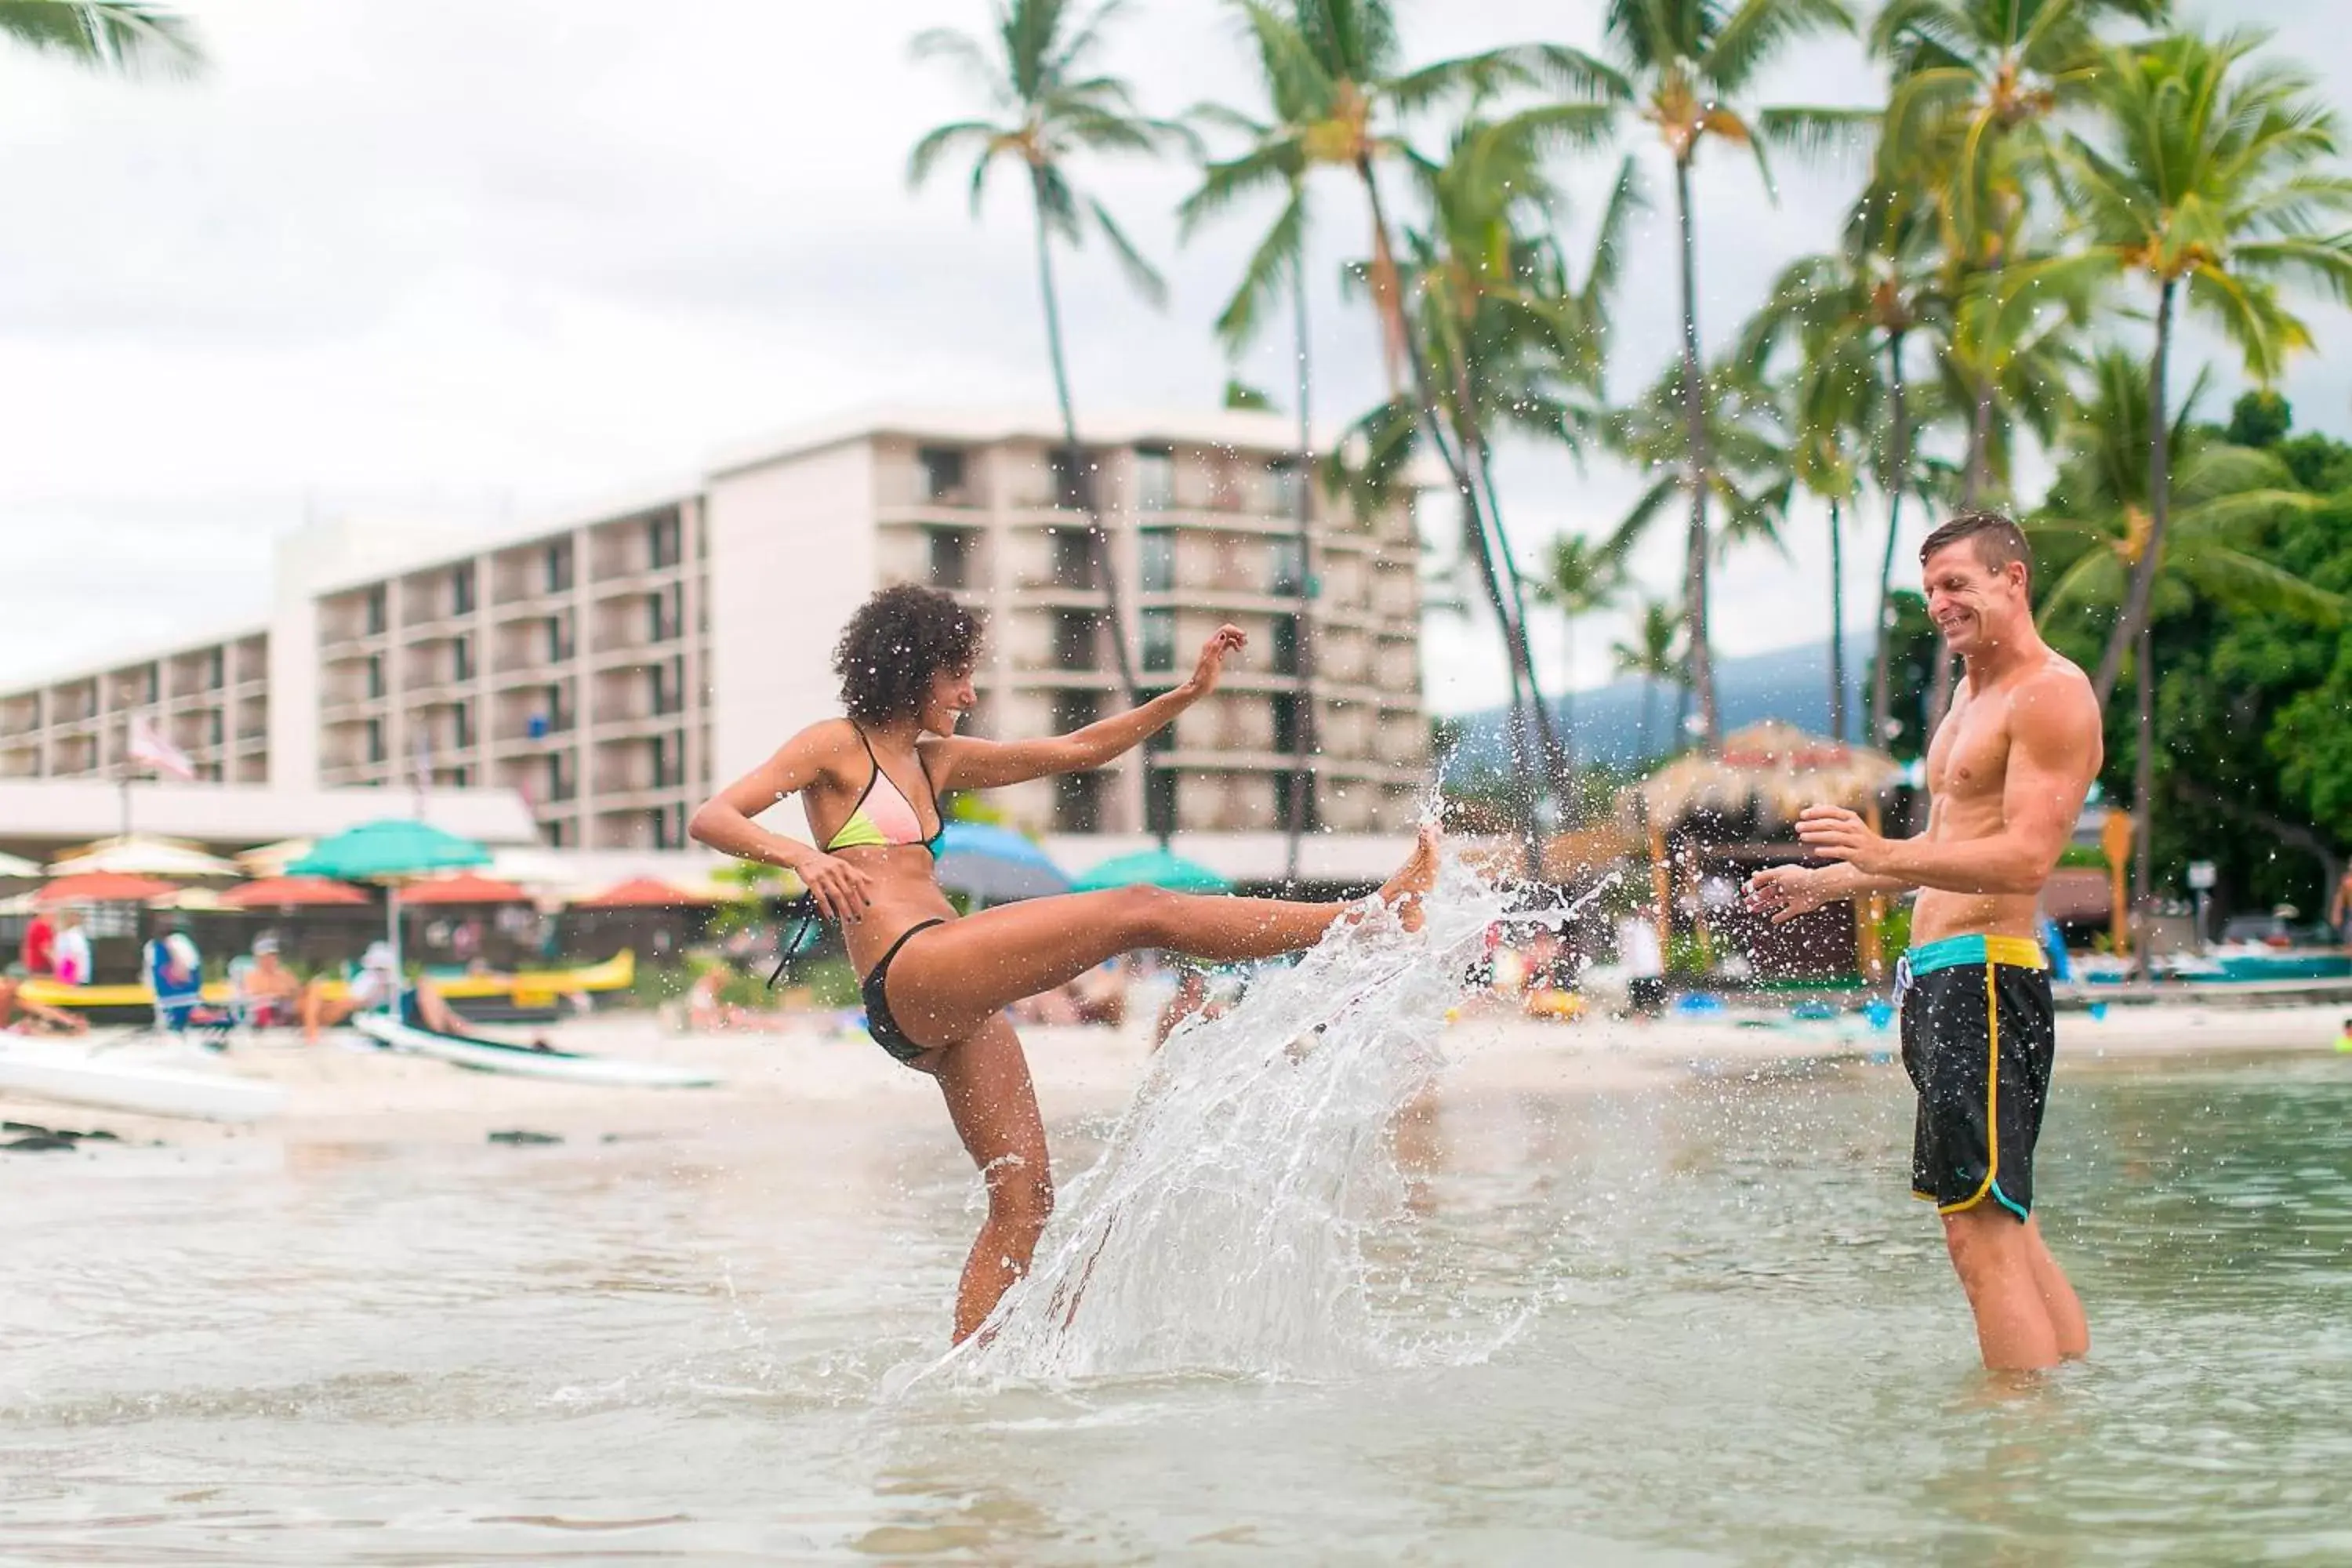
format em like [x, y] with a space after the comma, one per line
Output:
[883, 815]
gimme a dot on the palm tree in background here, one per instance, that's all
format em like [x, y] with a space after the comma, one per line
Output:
[1681, 64]
[1655, 653]
[1507, 340]
[1867, 299]
[1340, 90]
[1579, 578]
[127, 39]
[2205, 180]
[1037, 69]
[2097, 527]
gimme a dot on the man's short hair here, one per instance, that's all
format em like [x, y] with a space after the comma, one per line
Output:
[1998, 539]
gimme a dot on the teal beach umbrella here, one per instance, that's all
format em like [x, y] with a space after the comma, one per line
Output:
[390, 851]
[1153, 868]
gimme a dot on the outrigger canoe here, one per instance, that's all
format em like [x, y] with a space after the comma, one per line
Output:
[483, 1054]
[535, 988]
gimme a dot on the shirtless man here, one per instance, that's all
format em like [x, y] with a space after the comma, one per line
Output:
[2007, 773]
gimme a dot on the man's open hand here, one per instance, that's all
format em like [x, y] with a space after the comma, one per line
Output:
[1833, 833]
[1784, 893]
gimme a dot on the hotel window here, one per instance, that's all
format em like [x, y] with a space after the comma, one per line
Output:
[559, 567]
[1075, 643]
[1155, 479]
[1073, 558]
[374, 676]
[1078, 803]
[1287, 483]
[1286, 568]
[1159, 802]
[669, 827]
[1285, 720]
[1295, 788]
[1285, 645]
[943, 476]
[1073, 478]
[662, 540]
[215, 670]
[1156, 550]
[375, 740]
[950, 557]
[461, 590]
[373, 610]
[559, 638]
[461, 658]
[1159, 639]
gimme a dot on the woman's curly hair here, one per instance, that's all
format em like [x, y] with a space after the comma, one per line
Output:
[895, 642]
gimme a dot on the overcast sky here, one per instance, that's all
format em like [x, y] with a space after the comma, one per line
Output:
[410, 259]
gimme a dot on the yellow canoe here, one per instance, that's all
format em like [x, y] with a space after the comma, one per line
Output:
[531, 988]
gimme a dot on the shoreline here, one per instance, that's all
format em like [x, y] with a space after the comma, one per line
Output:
[805, 1075]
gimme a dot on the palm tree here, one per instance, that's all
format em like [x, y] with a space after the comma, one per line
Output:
[1505, 340]
[1036, 68]
[1338, 88]
[1655, 653]
[2100, 513]
[128, 39]
[1681, 64]
[1579, 578]
[2206, 180]
[1746, 472]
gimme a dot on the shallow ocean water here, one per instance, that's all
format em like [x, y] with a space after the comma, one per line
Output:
[1696, 1324]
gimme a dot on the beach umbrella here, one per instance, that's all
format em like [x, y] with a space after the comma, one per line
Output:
[10, 866]
[464, 888]
[271, 859]
[643, 893]
[1153, 868]
[102, 888]
[993, 864]
[144, 855]
[292, 893]
[191, 901]
[391, 850]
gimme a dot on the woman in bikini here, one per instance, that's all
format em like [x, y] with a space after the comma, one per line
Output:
[935, 987]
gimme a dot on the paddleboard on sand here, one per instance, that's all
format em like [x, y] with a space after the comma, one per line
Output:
[132, 1081]
[484, 1055]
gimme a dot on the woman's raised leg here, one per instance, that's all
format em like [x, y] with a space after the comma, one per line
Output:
[950, 981]
[994, 1107]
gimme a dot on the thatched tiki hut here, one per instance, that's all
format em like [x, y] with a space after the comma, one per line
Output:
[1713, 821]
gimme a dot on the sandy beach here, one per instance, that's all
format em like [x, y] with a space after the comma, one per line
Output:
[807, 1076]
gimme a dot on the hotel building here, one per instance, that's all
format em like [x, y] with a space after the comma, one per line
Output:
[611, 667]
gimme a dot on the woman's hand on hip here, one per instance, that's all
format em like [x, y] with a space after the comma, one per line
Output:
[841, 890]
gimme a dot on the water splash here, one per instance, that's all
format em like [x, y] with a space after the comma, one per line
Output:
[1224, 1228]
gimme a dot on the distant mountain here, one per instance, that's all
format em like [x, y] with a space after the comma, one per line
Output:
[1790, 684]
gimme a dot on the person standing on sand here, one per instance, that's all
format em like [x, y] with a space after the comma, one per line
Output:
[70, 959]
[2007, 774]
[936, 985]
[38, 953]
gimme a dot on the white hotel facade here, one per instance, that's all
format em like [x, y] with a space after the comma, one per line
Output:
[610, 667]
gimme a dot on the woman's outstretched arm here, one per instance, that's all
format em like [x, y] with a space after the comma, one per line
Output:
[966, 762]
[724, 821]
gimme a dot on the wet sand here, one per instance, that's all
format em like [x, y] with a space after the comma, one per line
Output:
[803, 1077]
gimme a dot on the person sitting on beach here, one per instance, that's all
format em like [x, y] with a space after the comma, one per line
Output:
[174, 974]
[2007, 773]
[22, 1015]
[373, 990]
[268, 994]
[935, 985]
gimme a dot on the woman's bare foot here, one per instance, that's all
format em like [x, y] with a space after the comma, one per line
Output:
[1403, 891]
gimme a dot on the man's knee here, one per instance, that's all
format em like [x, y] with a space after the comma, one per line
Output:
[1984, 1241]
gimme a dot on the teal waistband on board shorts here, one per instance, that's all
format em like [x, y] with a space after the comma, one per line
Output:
[1954, 951]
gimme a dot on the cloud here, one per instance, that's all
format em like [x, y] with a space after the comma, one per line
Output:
[416, 254]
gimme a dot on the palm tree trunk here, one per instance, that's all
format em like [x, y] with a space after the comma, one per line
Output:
[1302, 776]
[2160, 506]
[1974, 482]
[1881, 696]
[1082, 480]
[1649, 715]
[1837, 624]
[1460, 469]
[2144, 798]
[1558, 762]
[1701, 678]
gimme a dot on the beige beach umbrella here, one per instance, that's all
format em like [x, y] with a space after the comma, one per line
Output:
[144, 855]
